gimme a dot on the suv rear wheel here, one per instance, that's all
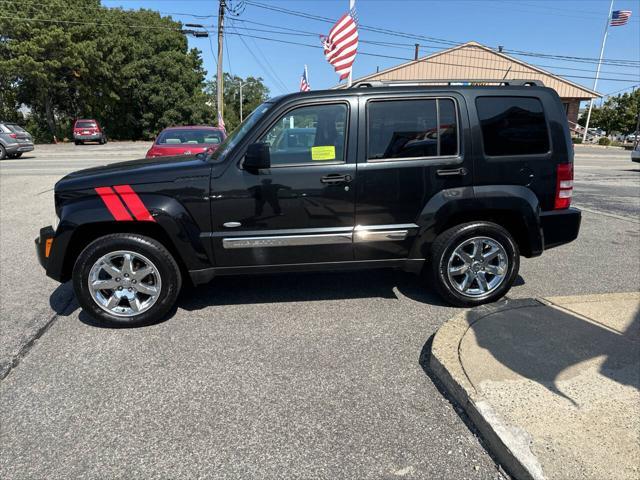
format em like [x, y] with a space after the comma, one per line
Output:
[474, 263]
[126, 279]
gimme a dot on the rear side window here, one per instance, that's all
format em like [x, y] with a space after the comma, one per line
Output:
[512, 126]
[15, 128]
[411, 129]
[85, 124]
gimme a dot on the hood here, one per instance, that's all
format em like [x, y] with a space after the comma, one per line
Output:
[145, 170]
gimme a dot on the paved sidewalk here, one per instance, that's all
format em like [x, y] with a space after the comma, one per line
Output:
[552, 384]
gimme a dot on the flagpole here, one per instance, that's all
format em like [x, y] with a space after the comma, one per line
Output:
[595, 82]
[352, 4]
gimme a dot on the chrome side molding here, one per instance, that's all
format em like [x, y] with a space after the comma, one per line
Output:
[359, 234]
[287, 240]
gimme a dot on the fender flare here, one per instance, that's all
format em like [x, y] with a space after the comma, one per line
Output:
[87, 217]
[467, 203]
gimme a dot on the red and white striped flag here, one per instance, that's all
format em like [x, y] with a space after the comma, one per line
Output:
[620, 17]
[341, 45]
[304, 81]
[221, 121]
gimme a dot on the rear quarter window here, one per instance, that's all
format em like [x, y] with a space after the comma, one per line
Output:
[512, 126]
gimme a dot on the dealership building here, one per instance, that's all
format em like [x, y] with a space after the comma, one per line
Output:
[473, 61]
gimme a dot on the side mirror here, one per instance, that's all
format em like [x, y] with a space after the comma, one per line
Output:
[257, 156]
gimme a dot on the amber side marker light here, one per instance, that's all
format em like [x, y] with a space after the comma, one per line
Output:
[47, 247]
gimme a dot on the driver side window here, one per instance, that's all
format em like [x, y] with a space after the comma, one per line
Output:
[308, 135]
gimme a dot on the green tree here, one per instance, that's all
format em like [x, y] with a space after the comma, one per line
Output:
[254, 92]
[618, 114]
[131, 70]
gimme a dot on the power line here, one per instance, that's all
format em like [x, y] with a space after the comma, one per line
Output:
[277, 82]
[409, 59]
[412, 36]
[406, 46]
[288, 42]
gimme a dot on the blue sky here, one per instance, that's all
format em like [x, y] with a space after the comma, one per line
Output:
[560, 27]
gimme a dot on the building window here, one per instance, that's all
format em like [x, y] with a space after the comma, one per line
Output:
[512, 126]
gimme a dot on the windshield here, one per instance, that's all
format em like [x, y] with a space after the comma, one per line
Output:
[191, 136]
[238, 134]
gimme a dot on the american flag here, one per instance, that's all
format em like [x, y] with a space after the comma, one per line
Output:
[304, 81]
[341, 45]
[220, 120]
[620, 17]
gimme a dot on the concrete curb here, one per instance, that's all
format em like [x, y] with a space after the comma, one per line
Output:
[509, 445]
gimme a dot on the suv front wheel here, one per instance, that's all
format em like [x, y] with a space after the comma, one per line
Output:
[474, 263]
[126, 279]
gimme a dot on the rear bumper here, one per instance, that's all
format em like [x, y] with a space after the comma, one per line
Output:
[560, 226]
[88, 138]
[18, 147]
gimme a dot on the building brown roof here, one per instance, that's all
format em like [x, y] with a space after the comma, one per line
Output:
[472, 60]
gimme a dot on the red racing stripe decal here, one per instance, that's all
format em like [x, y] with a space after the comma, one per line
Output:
[113, 203]
[133, 202]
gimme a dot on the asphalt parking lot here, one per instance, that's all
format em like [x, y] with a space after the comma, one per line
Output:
[298, 376]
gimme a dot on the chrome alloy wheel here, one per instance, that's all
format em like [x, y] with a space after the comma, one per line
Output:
[124, 283]
[477, 267]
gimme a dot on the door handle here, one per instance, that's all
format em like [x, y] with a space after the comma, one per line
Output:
[452, 172]
[334, 178]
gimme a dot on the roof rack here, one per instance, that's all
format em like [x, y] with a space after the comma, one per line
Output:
[463, 82]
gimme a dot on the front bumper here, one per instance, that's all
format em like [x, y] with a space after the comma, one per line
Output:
[560, 226]
[44, 244]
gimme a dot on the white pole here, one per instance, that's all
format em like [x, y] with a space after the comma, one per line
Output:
[352, 4]
[595, 82]
[241, 85]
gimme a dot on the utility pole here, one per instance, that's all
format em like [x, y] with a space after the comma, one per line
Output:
[416, 54]
[220, 75]
[595, 82]
[241, 85]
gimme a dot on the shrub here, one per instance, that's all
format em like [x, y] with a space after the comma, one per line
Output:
[604, 141]
[576, 140]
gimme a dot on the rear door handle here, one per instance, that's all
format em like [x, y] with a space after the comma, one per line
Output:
[452, 172]
[334, 178]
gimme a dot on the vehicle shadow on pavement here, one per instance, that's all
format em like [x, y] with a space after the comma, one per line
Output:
[302, 287]
[548, 345]
[62, 300]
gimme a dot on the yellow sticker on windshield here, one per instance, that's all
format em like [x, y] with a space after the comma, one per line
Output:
[323, 153]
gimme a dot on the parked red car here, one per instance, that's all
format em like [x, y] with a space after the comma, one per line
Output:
[88, 130]
[188, 140]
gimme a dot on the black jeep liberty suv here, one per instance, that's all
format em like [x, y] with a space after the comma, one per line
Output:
[456, 181]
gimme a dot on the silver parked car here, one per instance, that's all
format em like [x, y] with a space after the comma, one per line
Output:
[635, 153]
[14, 140]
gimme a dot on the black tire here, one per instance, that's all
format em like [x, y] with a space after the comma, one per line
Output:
[171, 278]
[102, 141]
[445, 245]
[77, 142]
[3, 153]
[17, 155]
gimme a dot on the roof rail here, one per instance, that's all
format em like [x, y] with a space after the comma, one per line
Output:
[463, 82]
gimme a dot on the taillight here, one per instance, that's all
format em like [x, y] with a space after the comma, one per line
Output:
[13, 135]
[564, 186]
